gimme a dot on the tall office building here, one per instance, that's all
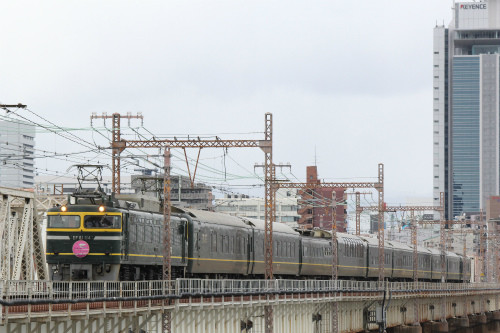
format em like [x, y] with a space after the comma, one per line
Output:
[17, 144]
[466, 108]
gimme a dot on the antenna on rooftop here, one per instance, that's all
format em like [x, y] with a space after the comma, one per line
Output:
[315, 157]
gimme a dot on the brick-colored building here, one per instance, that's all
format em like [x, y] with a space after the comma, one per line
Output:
[315, 205]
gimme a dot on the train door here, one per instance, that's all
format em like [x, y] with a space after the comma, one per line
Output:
[300, 255]
[125, 236]
[250, 252]
[462, 270]
[184, 242]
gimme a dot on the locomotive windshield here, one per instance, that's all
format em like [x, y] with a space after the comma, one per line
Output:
[63, 221]
[102, 222]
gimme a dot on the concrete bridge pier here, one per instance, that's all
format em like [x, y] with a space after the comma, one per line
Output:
[495, 315]
[408, 329]
[460, 323]
[478, 319]
[435, 327]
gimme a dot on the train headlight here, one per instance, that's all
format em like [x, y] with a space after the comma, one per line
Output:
[64, 208]
[102, 209]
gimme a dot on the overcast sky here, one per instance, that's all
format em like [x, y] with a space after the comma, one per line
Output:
[351, 80]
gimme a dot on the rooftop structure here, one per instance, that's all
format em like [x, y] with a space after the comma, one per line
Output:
[316, 205]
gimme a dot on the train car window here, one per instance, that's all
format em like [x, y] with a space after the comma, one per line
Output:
[158, 234]
[63, 221]
[140, 233]
[102, 221]
[133, 233]
[214, 242]
[231, 245]
[226, 243]
[237, 244]
[149, 234]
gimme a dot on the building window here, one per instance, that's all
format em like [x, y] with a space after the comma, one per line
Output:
[248, 208]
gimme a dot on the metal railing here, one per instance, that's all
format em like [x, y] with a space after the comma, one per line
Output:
[24, 300]
[44, 292]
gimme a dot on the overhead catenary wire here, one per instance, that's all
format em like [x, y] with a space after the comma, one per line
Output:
[220, 176]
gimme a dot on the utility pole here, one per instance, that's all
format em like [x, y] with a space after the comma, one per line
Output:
[167, 238]
[335, 306]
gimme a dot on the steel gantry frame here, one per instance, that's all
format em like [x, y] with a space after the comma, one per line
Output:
[379, 186]
[118, 145]
[414, 234]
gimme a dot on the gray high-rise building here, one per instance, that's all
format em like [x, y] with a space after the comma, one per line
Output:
[466, 107]
[17, 150]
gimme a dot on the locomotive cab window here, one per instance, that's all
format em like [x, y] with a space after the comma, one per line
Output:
[63, 221]
[102, 221]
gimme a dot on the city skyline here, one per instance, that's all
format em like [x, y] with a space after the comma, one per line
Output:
[337, 95]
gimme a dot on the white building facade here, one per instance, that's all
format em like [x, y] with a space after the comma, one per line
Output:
[17, 153]
[242, 205]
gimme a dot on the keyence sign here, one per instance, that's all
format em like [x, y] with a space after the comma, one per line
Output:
[474, 6]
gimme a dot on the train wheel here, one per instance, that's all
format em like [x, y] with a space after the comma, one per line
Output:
[150, 274]
[126, 273]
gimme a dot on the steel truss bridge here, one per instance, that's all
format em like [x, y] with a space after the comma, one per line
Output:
[225, 306]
